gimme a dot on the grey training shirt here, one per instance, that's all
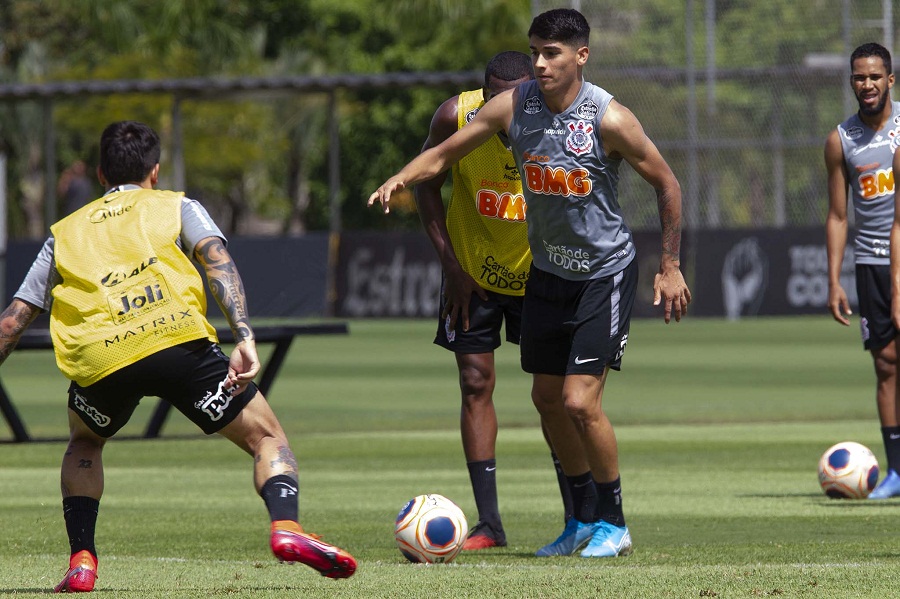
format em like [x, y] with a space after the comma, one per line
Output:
[575, 225]
[868, 160]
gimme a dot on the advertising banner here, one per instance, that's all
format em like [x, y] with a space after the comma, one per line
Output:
[732, 273]
[765, 272]
[387, 274]
[282, 276]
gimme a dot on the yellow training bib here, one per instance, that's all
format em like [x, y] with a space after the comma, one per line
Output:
[486, 214]
[127, 289]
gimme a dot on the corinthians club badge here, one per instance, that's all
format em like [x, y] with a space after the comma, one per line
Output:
[579, 140]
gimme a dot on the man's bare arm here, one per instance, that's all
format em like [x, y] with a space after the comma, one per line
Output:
[836, 227]
[895, 253]
[623, 137]
[459, 285]
[493, 117]
[13, 322]
[226, 285]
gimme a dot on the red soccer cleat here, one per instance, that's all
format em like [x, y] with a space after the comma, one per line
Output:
[482, 536]
[81, 575]
[291, 544]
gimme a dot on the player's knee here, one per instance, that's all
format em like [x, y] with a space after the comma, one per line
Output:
[255, 426]
[78, 440]
[80, 436]
[885, 366]
[476, 386]
[540, 401]
[580, 408]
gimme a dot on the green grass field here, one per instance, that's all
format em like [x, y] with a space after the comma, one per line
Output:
[720, 426]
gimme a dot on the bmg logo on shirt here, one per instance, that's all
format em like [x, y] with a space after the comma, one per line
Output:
[139, 299]
[505, 206]
[549, 180]
[877, 184]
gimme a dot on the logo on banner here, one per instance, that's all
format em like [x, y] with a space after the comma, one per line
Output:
[807, 283]
[745, 274]
[399, 279]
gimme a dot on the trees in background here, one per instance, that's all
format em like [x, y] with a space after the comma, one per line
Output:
[753, 158]
[254, 158]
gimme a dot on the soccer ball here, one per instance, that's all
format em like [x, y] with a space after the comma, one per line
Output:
[848, 470]
[430, 529]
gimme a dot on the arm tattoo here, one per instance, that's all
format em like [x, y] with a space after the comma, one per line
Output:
[226, 286]
[13, 322]
[670, 224]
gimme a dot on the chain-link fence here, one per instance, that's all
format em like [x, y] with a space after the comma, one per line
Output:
[741, 113]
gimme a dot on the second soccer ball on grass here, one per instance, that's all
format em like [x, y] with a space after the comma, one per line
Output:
[848, 470]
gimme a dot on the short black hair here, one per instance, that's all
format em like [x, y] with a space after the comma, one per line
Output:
[129, 151]
[508, 66]
[872, 49]
[565, 25]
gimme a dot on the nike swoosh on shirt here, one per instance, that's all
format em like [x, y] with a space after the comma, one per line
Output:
[527, 131]
[584, 361]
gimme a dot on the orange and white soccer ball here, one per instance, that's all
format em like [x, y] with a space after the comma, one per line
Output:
[848, 470]
[430, 529]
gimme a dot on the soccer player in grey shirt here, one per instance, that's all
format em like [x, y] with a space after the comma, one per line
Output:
[858, 157]
[569, 137]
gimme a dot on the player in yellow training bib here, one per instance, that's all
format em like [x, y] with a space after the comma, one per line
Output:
[128, 320]
[482, 243]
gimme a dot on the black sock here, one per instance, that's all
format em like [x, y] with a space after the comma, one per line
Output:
[564, 491]
[610, 502]
[891, 436]
[280, 494]
[584, 497]
[483, 475]
[80, 514]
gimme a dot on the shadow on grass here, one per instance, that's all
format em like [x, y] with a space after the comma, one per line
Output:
[858, 503]
[780, 495]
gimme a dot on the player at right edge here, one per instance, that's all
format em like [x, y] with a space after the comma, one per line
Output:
[859, 155]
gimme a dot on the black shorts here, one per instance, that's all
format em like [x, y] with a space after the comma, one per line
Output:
[485, 318]
[873, 290]
[190, 376]
[576, 327]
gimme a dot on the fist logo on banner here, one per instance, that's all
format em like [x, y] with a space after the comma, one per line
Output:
[745, 274]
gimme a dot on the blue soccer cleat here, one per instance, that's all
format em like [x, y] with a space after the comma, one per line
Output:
[609, 541]
[575, 535]
[888, 487]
